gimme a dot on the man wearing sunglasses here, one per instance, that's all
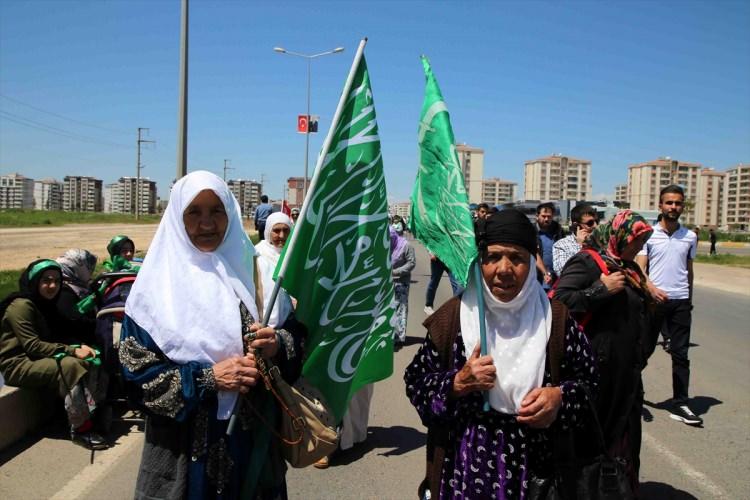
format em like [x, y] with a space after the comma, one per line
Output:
[583, 220]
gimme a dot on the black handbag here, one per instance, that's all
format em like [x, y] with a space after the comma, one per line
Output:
[604, 477]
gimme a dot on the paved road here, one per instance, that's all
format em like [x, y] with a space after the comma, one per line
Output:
[678, 461]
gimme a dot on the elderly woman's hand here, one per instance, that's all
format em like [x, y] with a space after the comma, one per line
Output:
[84, 352]
[265, 340]
[540, 406]
[236, 374]
[478, 374]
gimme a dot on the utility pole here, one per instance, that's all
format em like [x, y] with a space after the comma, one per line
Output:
[182, 116]
[138, 173]
[226, 168]
[262, 183]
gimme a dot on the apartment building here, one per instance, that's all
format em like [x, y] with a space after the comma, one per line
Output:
[295, 191]
[708, 204]
[646, 180]
[402, 208]
[621, 193]
[82, 194]
[471, 160]
[16, 191]
[497, 191]
[557, 177]
[121, 197]
[736, 203]
[48, 194]
[247, 193]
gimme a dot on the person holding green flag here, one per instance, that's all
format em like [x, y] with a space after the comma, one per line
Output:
[500, 452]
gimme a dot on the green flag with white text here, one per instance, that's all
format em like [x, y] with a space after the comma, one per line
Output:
[439, 214]
[337, 264]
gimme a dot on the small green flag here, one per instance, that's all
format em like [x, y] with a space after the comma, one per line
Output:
[439, 215]
[338, 264]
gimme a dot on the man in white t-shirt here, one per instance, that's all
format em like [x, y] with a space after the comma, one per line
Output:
[668, 257]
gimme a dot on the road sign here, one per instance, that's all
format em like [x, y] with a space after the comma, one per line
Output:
[302, 122]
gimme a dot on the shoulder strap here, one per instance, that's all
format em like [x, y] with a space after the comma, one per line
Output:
[442, 327]
[556, 343]
[598, 259]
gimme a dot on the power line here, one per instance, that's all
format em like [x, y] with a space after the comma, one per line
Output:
[62, 116]
[55, 130]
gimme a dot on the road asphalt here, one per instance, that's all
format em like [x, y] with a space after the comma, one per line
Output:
[678, 461]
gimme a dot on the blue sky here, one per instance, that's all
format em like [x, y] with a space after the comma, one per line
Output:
[613, 82]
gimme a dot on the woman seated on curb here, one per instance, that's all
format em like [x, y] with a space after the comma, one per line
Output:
[29, 354]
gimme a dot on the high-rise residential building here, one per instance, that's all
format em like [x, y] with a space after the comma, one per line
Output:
[121, 197]
[471, 160]
[621, 193]
[497, 191]
[557, 177]
[401, 208]
[48, 194]
[295, 191]
[736, 213]
[82, 194]
[708, 203]
[247, 193]
[16, 191]
[646, 180]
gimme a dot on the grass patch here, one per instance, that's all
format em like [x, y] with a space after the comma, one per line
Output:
[9, 282]
[725, 259]
[31, 218]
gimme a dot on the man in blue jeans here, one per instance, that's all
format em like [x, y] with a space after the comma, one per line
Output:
[668, 257]
[436, 273]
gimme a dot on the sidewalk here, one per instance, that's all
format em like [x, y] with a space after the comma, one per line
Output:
[724, 278]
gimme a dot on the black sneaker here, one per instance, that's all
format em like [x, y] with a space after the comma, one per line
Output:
[90, 440]
[682, 413]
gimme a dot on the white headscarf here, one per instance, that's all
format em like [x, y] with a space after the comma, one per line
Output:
[268, 259]
[188, 300]
[517, 335]
[264, 247]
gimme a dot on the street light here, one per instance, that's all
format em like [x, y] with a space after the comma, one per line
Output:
[309, 58]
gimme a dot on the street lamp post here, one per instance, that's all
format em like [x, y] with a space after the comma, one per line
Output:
[309, 58]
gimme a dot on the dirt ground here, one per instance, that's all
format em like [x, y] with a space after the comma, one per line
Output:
[19, 246]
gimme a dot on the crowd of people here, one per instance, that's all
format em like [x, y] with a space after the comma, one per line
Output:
[550, 376]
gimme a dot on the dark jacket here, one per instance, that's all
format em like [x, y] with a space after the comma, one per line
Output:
[614, 328]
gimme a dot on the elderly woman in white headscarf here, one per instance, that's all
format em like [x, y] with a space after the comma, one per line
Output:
[182, 348]
[534, 373]
[278, 226]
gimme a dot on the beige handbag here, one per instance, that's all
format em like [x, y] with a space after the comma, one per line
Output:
[308, 428]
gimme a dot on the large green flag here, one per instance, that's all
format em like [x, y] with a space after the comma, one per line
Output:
[337, 264]
[439, 214]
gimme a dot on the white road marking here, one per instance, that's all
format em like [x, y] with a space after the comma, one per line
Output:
[103, 462]
[700, 479]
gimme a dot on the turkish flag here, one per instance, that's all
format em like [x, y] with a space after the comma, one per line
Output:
[285, 208]
[302, 122]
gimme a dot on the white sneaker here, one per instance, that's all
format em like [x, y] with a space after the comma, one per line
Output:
[428, 310]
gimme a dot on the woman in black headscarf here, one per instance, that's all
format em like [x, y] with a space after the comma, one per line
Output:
[28, 350]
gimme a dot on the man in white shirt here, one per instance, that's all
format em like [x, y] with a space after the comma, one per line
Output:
[668, 258]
